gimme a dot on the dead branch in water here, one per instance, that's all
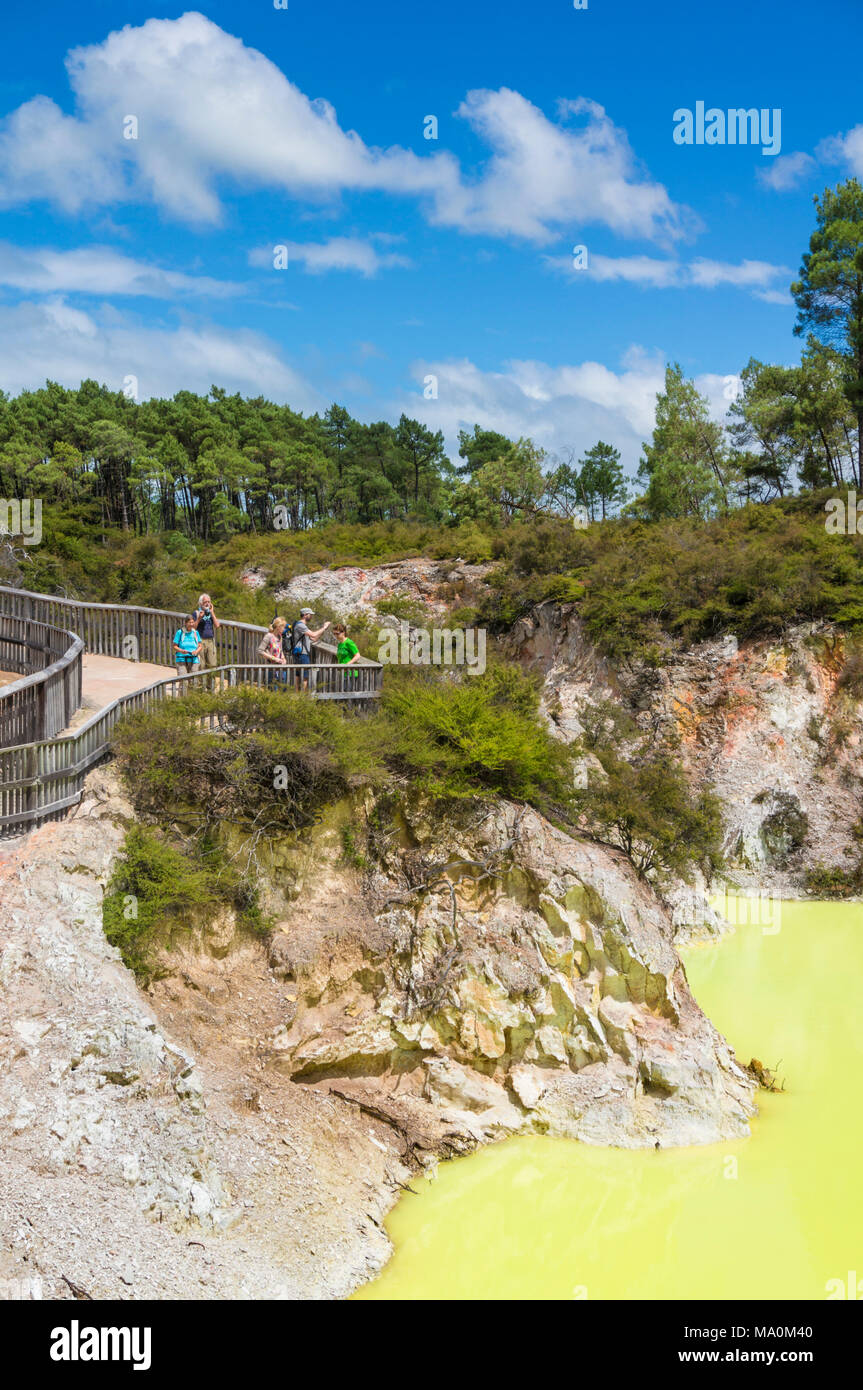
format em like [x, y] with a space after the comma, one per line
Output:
[767, 1077]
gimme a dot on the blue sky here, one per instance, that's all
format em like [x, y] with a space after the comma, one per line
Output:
[411, 258]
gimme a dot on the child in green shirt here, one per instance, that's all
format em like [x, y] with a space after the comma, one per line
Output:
[347, 652]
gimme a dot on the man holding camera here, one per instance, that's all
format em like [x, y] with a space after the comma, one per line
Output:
[206, 624]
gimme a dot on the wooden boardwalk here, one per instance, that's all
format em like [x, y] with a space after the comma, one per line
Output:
[108, 678]
[77, 668]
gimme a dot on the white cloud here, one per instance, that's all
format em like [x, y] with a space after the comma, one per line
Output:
[560, 408]
[98, 270]
[656, 273]
[207, 107]
[844, 149]
[53, 341]
[786, 171]
[543, 174]
[782, 297]
[211, 111]
[338, 253]
[637, 270]
[745, 275]
[46, 154]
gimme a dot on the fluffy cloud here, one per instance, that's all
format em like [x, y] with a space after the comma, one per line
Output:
[786, 171]
[338, 253]
[46, 154]
[541, 174]
[52, 340]
[636, 270]
[656, 273]
[99, 270]
[207, 107]
[560, 408]
[210, 110]
[751, 275]
[844, 149]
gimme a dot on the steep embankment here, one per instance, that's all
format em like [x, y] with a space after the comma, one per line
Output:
[477, 973]
[242, 1128]
[493, 975]
[147, 1152]
[773, 725]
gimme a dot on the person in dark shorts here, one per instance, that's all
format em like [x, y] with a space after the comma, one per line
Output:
[272, 652]
[298, 644]
[187, 646]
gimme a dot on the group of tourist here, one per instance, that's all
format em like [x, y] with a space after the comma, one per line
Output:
[283, 646]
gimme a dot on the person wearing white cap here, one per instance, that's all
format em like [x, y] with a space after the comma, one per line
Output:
[301, 639]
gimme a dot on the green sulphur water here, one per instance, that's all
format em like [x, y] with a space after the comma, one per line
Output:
[777, 1215]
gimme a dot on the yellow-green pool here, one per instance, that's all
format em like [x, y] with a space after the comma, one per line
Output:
[778, 1215]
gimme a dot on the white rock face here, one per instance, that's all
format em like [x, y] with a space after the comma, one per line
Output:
[765, 723]
[118, 1148]
[88, 1026]
[433, 586]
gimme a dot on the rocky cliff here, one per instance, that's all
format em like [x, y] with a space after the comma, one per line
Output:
[241, 1129]
[773, 725]
[431, 587]
[492, 975]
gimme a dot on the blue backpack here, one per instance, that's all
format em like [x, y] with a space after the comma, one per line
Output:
[296, 647]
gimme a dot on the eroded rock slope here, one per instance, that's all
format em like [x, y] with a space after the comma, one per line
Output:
[508, 978]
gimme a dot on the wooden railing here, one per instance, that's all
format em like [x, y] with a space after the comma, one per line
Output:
[42, 703]
[138, 634]
[42, 775]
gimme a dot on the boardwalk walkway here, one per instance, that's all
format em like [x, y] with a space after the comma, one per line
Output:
[66, 679]
[107, 678]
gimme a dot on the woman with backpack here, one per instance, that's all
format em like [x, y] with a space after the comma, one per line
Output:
[187, 645]
[272, 653]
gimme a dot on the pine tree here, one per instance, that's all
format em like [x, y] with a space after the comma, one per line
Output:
[829, 293]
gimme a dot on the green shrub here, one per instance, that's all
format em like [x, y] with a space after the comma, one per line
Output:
[466, 616]
[750, 572]
[352, 854]
[831, 882]
[851, 675]
[606, 724]
[280, 758]
[478, 736]
[153, 885]
[405, 609]
[157, 886]
[283, 757]
[646, 808]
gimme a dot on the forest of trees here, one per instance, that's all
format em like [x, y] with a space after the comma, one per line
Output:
[211, 467]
